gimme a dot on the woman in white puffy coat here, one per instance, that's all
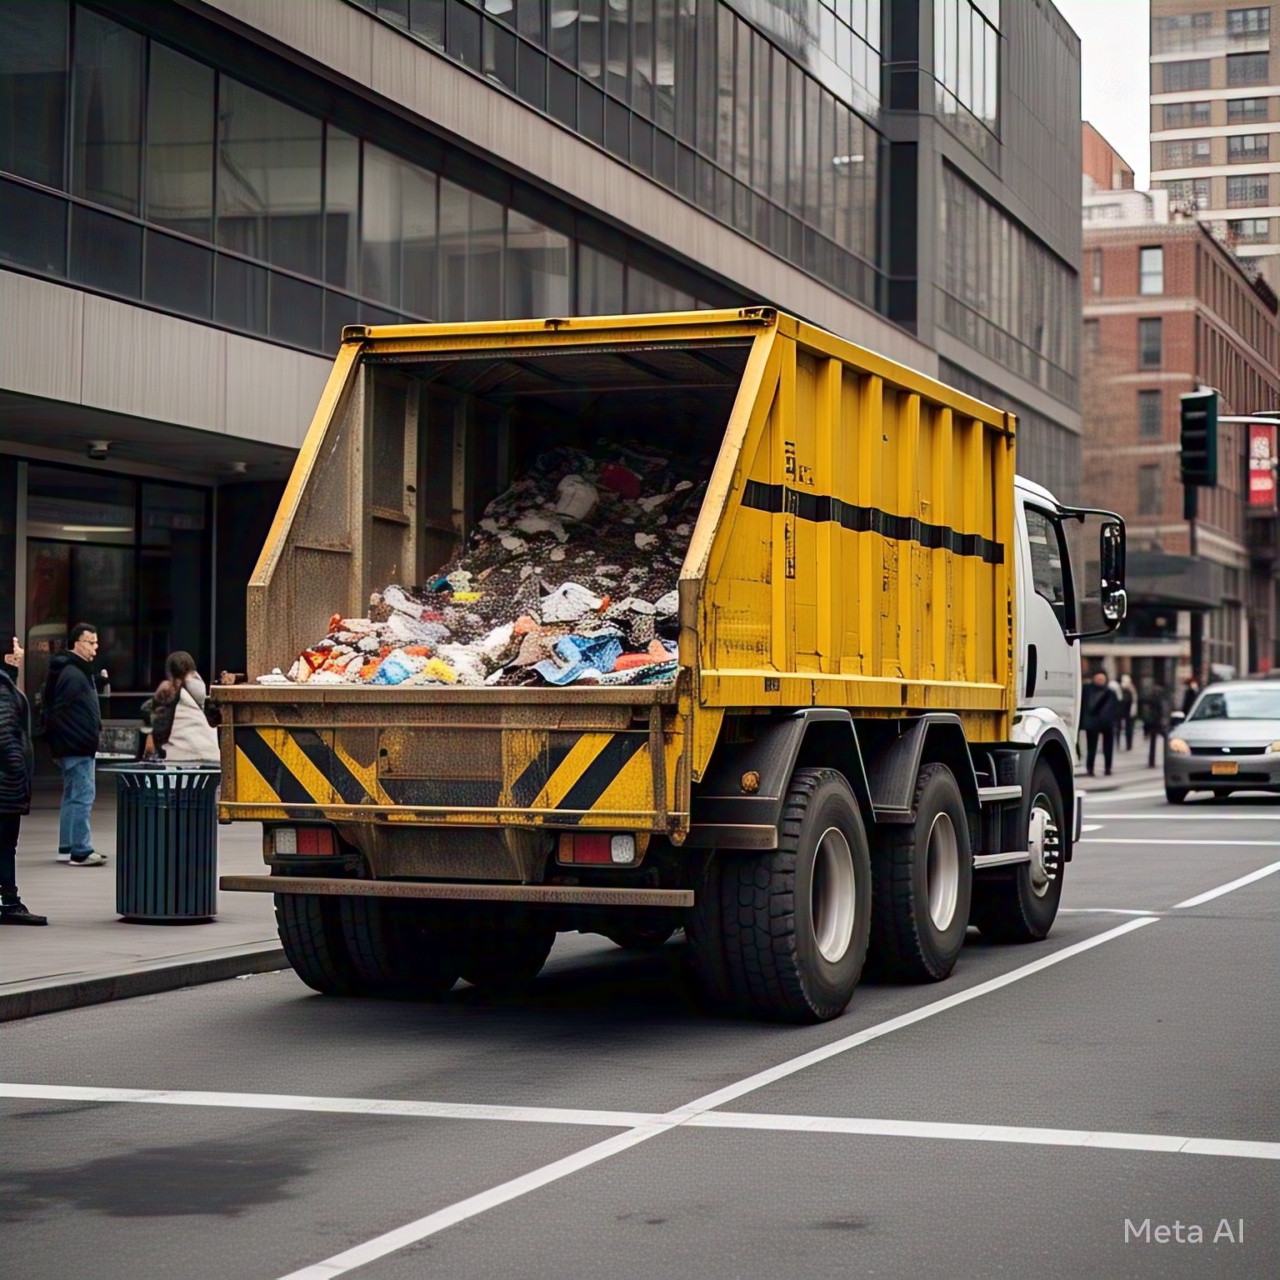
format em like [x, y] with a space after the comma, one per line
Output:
[180, 729]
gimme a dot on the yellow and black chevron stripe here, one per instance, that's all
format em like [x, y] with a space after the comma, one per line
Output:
[562, 778]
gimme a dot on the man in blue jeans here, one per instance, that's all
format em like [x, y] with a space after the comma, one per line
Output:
[73, 724]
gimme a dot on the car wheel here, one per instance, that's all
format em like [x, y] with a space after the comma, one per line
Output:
[1175, 795]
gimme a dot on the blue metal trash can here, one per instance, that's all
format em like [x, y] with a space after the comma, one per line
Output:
[166, 842]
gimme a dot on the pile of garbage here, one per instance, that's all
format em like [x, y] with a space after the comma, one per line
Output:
[570, 578]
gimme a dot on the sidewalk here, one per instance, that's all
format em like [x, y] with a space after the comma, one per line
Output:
[1127, 767]
[87, 954]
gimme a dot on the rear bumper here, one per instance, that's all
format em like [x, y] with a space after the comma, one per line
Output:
[548, 894]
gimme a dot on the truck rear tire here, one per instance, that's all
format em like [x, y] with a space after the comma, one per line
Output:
[393, 949]
[796, 920]
[311, 934]
[923, 878]
[1022, 906]
[507, 958]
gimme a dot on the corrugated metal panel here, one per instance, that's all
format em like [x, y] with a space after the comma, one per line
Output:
[40, 337]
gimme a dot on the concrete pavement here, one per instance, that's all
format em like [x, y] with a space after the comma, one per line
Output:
[87, 953]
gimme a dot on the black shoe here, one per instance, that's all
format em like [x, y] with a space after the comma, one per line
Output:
[16, 913]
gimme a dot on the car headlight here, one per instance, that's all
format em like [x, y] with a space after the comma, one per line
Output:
[1179, 747]
[1274, 749]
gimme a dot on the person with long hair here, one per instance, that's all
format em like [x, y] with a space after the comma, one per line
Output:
[180, 728]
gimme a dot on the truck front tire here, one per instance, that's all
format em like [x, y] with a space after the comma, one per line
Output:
[311, 934]
[1022, 906]
[795, 921]
[923, 876]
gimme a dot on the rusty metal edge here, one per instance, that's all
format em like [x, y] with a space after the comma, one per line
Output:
[47, 996]
[552, 894]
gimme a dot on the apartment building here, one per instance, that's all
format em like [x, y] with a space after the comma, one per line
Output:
[1215, 116]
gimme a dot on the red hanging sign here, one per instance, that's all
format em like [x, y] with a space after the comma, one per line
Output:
[1262, 466]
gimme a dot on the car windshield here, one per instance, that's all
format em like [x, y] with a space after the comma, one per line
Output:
[1238, 704]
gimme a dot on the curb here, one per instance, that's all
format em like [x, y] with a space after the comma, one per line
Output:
[53, 996]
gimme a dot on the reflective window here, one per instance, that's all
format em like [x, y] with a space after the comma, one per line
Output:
[35, 229]
[1192, 151]
[1249, 22]
[1247, 68]
[33, 75]
[1249, 230]
[106, 252]
[1150, 415]
[1151, 270]
[178, 276]
[180, 120]
[398, 233]
[1180, 77]
[537, 269]
[1240, 110]
[1249, 148]
[601, 283]
[1253, 188]
[269, 179]
[341, 208]
[1150, 342]
[1048, 571]
[966, 47]
[1180, 115]
[106, 112]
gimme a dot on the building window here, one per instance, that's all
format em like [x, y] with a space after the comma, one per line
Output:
[1188, 193]
[1249, 22]
[1180, 33]
[1149, 344]
[1191, 151]
[1247, 68]
[1093, 337]
[1248, 148]
[1180, 115]
[1150, 410]
[1149, 495]
[1251, 189]
[1151, 270]
[1249, 230]
[1182, 77]
[1096, 274]
[1242, 110]
[966, 43]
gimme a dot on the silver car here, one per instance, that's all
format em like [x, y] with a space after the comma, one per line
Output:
[1229, 742]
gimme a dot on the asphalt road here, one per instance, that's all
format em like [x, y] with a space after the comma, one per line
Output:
[1008, 1122]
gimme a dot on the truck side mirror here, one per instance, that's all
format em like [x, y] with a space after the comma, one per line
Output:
[1115, 602]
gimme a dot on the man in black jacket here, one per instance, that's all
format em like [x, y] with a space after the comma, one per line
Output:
[1100, 709]
[73, 725]
[17, 764]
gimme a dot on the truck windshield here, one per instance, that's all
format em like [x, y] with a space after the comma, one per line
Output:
[1238, 704]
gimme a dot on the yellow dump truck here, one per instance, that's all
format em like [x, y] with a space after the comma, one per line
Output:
[868, 744]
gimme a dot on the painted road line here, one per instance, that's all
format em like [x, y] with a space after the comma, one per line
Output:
[1110, 797]
[1091, 826]
[1214, 844]
[341, 1106]
[1230, 887]
[988, 1133]
[391, 1241]
[1104, 911]
[1193, 817]
[634, 1119]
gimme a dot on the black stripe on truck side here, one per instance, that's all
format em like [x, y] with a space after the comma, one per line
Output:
[818, 509]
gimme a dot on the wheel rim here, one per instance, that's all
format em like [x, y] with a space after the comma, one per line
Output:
[942, 870]
[833, 895]
[1042, 839]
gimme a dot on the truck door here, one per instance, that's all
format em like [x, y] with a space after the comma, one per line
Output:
[1048, 663]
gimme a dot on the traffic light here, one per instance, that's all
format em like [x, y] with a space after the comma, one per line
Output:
[1200, 439]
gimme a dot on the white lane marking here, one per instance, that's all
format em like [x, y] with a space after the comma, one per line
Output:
[1110, 797]
[987, 1133]
[1192, 817]
[636, 1119]
[1104, 911]
[1091, 826]
[1229, 887]
[1216, 844]
[350, 1106]
[412, 1232]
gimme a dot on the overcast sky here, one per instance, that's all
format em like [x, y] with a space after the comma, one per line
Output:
[1114, 38]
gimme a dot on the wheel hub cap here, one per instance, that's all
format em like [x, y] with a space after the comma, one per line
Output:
[1044, 842]
[942, 871]
[833, 895]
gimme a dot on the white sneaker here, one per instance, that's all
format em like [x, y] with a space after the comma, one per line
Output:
[90, 860]
[64, 857]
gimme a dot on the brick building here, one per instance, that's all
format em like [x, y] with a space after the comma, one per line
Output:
[1168, 308]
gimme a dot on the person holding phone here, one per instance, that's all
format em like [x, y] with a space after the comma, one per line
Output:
[17, 766]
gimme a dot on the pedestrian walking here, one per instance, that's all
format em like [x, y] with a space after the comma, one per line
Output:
[1153, 710]
[1099, 713]
[180, 727]
[1128, 710]
[1190, 694]
[17, 766]
[73, 725]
